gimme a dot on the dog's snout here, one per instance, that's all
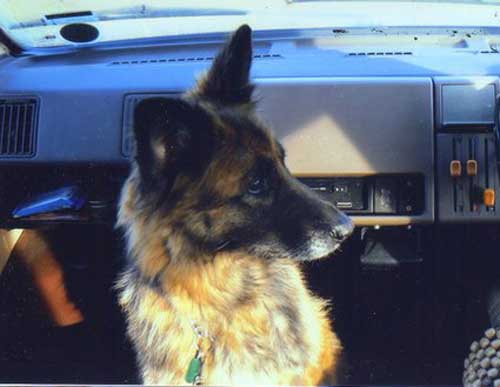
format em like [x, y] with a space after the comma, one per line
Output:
[343, 229]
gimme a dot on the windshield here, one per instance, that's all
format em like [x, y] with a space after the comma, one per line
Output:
[38, 24]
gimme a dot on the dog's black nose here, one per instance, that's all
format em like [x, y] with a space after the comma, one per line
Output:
[342, 230]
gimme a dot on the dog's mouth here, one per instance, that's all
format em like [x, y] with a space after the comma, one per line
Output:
[322, 250]
[323, 245]
[318, 245]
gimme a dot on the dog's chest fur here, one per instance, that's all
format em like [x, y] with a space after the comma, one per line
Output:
[269, 330]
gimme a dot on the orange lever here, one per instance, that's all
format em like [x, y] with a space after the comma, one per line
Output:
[489, 197]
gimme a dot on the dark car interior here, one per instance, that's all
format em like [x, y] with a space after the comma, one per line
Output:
[401, 136]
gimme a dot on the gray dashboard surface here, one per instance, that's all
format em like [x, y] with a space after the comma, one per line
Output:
[336, 113]
[351, 126]
[82, 95]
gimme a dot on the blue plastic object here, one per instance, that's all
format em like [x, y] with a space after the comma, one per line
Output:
[67, 198]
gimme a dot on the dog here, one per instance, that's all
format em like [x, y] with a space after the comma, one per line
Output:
[216, 228]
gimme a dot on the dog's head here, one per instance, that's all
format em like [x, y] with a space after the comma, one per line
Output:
[211, 173]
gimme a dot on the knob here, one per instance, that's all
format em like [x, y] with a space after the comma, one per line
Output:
[471, 168]
[455, 168]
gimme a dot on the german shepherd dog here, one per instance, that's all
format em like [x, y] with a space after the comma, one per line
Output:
[216, 228]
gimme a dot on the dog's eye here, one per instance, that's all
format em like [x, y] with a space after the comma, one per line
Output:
[258, 186]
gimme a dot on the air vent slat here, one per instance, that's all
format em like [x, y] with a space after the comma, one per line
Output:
[23, 136]
[9, 130]
[17, 145]
[31, 121]
[13, 132]
[2, 134]
[22, 127]
[18, 118]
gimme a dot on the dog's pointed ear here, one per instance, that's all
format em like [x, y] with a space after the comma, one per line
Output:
[227, 82]
[171, 136]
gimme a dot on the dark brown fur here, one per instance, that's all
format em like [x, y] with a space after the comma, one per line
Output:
[215, 226]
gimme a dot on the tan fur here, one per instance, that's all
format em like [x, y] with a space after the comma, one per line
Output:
[271, 331]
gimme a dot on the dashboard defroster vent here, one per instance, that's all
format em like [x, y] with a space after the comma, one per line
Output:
[380, 53]
[184, 59]
[18, 124]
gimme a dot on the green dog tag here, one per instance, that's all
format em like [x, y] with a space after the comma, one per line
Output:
[194, 370]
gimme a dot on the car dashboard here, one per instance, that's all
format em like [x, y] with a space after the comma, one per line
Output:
[392, 135]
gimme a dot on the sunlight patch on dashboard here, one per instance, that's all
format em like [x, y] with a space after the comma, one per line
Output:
[322, 146]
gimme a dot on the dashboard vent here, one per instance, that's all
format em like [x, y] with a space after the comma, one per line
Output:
[380, 53]
[18, 124]
[129, 104]
[185, 59]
